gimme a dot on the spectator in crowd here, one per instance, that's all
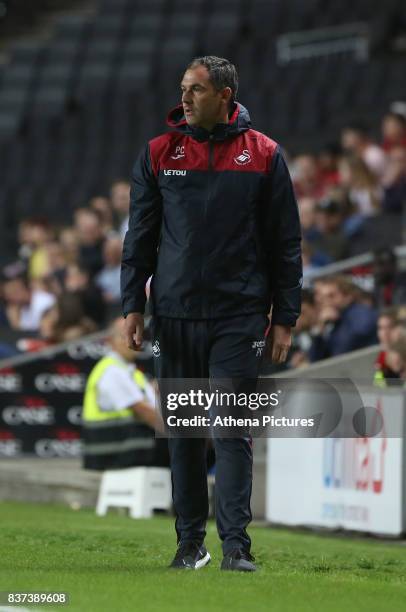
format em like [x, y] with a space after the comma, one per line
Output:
[7, 349]
[394, 182]
[343, 324]
[384, 369]
[47, 328]
[331, 242]
[307, 212]
[62, 322]
[88, 225]
[397, 357]
[390, 283]
[328, 159]
[120, 199]
[104, 208]
[70, 320]
[302, 333]
[24, 305]
[69, 240]
[308, 179]
[78, 280]
[308, 263]
[312, 256]
[393, 131]
[108, 279]
[400, 327]
[318, 292]
[364, 191]
[56, 263]
[34, 235]
[356, 141]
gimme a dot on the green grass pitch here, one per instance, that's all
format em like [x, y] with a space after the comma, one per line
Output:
[116, 564]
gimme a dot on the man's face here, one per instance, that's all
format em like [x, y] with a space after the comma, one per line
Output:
[75, 279]
[89, 228]
[332, 296]
[328, 222]
[16, 292]
[307, 212]
[385, 326]
[350, 140]
[120, 197]
[202, 104]
[396, 363]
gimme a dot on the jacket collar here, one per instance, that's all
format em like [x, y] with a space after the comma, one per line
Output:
[239, 121]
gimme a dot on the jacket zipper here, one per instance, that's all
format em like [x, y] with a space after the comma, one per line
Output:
[206, 206]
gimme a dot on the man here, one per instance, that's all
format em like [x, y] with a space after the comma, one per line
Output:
[214, 219]
[120, 200]
[355, 140]
[332, 243]
[344, 325]
[119, 414]
[91, 235]
[386, 331]
[397, 351]
[24, 304]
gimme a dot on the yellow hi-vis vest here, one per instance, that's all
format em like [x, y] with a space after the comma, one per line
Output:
[91, 409]
[113, 439]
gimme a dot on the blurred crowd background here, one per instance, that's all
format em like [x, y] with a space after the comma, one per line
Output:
[77, 103]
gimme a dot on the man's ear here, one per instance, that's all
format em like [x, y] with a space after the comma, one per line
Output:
[226, 94]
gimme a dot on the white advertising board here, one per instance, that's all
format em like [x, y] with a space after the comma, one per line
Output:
[351, 483]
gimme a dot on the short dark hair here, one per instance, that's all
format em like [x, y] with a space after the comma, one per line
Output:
[16, 270]
[397, 116]
[357, 126]
[308, 297]
[391, 313]
[221, 71]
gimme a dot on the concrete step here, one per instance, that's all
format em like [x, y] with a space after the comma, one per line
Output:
[45, 480]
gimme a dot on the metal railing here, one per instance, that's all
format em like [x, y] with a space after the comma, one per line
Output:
[323, 42]
[350, 263]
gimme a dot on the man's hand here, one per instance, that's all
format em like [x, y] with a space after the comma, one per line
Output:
[278, 343]
[133, 330]
[328, 314]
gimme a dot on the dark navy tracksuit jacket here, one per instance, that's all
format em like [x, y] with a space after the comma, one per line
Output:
[214, 221]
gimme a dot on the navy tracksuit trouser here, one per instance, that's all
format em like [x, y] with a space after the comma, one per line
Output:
[210, 349]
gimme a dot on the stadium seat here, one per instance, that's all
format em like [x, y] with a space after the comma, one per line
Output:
[133, 75]
[10, 121]
[138, 47]
[183, 24]
[72, 25]
[14, 99]
[145, 24]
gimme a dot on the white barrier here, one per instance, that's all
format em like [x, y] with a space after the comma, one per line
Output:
[141, 489]
[350, 483]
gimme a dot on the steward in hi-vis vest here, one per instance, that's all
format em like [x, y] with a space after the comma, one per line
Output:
[118, 417]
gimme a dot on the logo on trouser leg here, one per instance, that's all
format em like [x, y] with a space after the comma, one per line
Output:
[258, 346]
[156, 351]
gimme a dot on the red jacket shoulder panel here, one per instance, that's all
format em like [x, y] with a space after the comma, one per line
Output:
[266, 147]
[162, 147]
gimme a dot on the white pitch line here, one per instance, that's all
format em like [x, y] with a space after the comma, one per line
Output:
[12, 608]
